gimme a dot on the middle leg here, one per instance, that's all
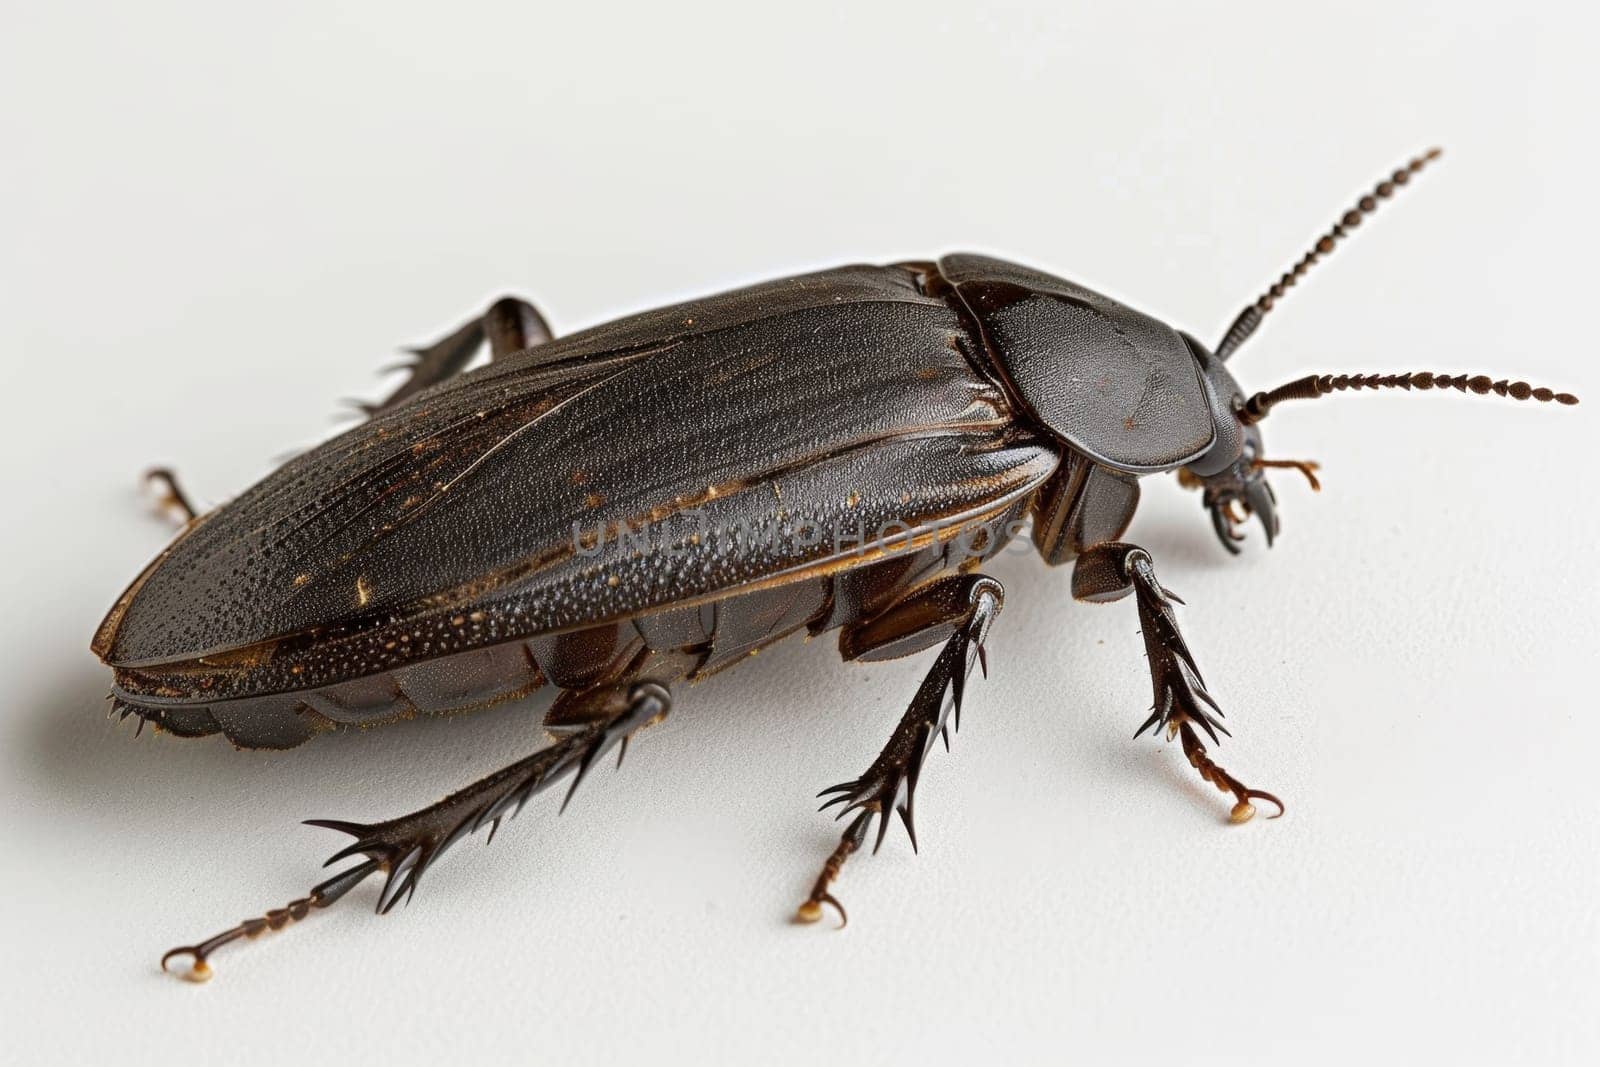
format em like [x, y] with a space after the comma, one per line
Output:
[957, 610]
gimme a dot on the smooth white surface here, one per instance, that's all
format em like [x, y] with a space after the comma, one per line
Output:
[216, 224]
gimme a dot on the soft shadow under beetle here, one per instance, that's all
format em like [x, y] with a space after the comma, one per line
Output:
[655, 499]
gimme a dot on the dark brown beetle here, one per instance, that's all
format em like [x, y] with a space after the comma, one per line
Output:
[657, 498]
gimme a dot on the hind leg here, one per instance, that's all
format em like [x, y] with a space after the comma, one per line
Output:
[405, 847]
[509, 325]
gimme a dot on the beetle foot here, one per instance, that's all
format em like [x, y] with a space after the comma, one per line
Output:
[320, 897]
[1243, 810]
[811, 909]
[169, 495]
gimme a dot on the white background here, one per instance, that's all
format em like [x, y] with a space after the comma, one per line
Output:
[217, 223]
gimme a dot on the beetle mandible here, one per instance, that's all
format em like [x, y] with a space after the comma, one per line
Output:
[654, 499]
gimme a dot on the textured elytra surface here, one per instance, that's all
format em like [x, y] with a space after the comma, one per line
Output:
[836, 402]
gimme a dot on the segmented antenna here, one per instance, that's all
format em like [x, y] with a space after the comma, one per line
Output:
[1317, 385]
[1251, 316]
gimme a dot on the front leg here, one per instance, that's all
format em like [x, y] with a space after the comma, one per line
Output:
[1110, 571]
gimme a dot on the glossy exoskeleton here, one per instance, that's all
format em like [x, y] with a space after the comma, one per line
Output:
[655, 499]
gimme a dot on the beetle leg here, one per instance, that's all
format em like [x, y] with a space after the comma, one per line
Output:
[321, 896]
[170, 497]
[1112, 570]
[405, 847]
[510, 325]
[962, 607]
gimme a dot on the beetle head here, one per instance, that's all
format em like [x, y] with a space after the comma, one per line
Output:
[1231, 472]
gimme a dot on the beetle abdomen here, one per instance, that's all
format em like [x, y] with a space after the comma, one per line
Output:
[694, 640]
